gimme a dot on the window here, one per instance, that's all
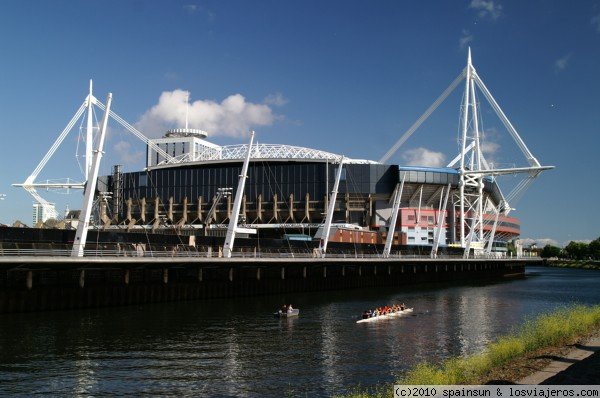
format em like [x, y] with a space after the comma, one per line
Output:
[143, 181]
[429, 177]
[411, 218]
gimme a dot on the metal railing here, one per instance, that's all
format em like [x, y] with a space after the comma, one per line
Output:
[180, 252]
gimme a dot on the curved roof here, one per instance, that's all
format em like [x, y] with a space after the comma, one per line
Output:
[205, 153]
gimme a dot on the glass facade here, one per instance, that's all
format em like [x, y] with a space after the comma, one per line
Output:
[430, 177]
[264, 178]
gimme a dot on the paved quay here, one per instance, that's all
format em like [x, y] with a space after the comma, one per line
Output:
[581, 365]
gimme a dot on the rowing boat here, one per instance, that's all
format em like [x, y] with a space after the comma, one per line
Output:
[386, 316]
[287, 314]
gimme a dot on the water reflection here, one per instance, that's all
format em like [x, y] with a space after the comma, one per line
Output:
[329, 348]
[237, 348]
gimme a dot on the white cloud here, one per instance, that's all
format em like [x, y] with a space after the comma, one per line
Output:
[562, 63]
[123, 148]
[489, 147]
[276, 99]
[196, 9]
[586, 241]
[489, 144]
[191, 8]
[234, 116]
[487, 8]
[596, 22]
[465, 39]
[540, 242]
[423, 157]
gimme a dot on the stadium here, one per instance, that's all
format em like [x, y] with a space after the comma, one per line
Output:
[189, 183]
[287, 193]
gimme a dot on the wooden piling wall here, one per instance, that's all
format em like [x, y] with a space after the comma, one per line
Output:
[59, 285]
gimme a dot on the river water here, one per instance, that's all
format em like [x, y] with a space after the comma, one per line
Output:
[235, 347]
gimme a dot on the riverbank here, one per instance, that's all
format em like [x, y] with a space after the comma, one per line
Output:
[511, 357]
[582, 264]
[579, 365]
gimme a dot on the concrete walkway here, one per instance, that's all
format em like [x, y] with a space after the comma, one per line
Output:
[581, 365]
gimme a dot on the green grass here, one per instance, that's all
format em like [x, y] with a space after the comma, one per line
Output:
[554, 329]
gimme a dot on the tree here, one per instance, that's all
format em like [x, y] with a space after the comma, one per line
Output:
[594, 249]
[510, 247]
[550, 251]
[577, 250]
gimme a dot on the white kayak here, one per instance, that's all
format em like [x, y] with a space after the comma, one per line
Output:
[287, 314]
[386, 316]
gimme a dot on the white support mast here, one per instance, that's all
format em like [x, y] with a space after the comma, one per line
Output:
[394, 218]
[471, 184]
[469, 198]
[441, 217]
[88, 201]
[30, 185]
[469, 239]
[502, 207]
[476, 158]
[89, 133]
[490, 244]
[329, 217]
[465, 123]
[419, 208]
[233, 228]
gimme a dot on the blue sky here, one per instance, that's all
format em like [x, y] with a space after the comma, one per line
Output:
[344, 76]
